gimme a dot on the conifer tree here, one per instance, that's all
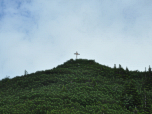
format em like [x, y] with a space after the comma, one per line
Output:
[127, 70]
[124, 74]
[119, 66]
[148, 81]
[127, 74]
[147, 104]
[144, 80]
[134, 98]
[119, 69]
[25, 73]
[115, 70]
[126, 98]
[145, 72]
[114, 66]
[150, 78]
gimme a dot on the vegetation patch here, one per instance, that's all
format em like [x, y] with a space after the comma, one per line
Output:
[78, 87]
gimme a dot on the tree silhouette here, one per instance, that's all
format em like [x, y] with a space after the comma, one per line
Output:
[25, 73]
[122, 73]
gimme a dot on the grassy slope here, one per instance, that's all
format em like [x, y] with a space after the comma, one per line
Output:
[68, 88]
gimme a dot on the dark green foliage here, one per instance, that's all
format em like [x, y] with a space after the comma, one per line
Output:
[136, 97]
[147, 104]
[76, 87]
[4, 81]
[84, 100]
[64, 89]
[121, 73]
[148, 80]
[94, 83]
[127, 73]
[130, 97]
[127, 101]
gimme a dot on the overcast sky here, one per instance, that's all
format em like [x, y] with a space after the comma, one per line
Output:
[39, 35]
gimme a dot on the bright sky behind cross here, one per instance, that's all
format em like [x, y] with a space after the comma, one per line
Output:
[37, 35]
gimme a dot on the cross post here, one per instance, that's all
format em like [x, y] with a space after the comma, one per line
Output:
[76, 54]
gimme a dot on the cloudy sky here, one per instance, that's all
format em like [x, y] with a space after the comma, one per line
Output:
[39, 35]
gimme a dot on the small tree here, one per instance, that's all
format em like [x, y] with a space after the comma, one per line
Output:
[130, 97]
[25, 73]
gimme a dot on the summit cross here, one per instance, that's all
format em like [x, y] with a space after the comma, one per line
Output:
[76, 54]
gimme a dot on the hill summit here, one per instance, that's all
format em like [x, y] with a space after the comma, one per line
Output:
[77, 86]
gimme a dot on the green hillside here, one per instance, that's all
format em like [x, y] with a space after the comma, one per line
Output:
[78, 87]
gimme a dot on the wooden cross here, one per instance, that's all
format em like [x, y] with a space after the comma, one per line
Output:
[76, 54]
